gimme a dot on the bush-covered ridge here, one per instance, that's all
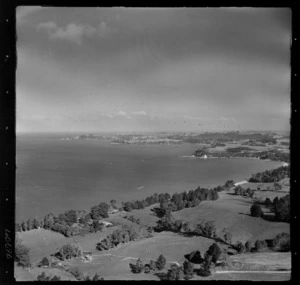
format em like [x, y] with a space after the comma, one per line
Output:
[273, 175]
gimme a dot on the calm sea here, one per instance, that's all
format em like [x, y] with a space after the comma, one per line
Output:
[55, 175]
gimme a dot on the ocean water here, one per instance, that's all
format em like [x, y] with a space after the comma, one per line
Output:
[54, 175]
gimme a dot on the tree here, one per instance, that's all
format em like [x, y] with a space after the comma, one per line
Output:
[24, 226]
[96, 226]
[214, 251]
[256, 210]
[29, 224]
[205, 270]
[138, 267]
[113, 203]
[248, 246]
[282, 242]
[160, 262]
[152, 265]
[35, 224]
[268, 202]
[49, 221]
[100, 211]
[227, 237]
[22, 254]
[97, 277]
[70, 217]
[188, 270]
[175, 272]
[210, 229]
[195, 257]
[44, 262]
[260, 245]
[70, 250]
[76, 273]
[240, 247]
[43, 277]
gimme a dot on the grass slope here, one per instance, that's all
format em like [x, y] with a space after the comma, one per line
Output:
[232, 212]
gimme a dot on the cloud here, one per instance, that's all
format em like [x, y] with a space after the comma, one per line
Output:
[74, 32]
[227, 119]
[23, 11]
[139, 113]
[121, 113]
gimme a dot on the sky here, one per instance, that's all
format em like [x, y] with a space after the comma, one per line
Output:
[152, 69]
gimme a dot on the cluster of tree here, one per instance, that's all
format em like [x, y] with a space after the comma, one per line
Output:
[43, 277]
[273, 175]
[21, 254]
[282, 242]
[123, 235]
[133, 219]
[176, 272]
[212, 256]
[69, 223]
[280, 207]
[204, 228]
[69, 251]
[152, 266]
[274, 155]
[84, 277]
[153, 199]
[186, 200]
[256, 211]
[100, 211]
[239, 190]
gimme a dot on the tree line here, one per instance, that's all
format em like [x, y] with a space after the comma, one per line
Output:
[74, 222]
[279, 206]
[273, 175]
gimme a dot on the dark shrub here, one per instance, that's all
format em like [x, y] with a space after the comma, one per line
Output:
[256, 210]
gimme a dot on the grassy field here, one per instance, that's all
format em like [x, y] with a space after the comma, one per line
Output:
[23, 274]
[229, 211]
[262, 261]
[114, 264]
[43, 243]
[232, 212]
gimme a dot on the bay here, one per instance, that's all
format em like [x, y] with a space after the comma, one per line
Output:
[55, 175]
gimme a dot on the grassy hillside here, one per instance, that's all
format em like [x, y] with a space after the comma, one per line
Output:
[232, 212]
[229, 211]
[114, 264]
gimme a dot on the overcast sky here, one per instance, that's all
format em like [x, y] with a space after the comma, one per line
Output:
[121, 69]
